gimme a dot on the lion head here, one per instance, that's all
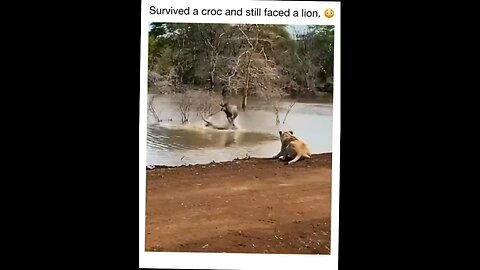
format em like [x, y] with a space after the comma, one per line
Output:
[287, 136]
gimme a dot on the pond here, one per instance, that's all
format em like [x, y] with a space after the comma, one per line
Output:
[171, 143]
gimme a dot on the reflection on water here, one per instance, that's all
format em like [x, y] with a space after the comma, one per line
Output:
[199, 137]
[171, 143]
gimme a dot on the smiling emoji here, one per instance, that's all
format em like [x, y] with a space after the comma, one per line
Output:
[329, 13]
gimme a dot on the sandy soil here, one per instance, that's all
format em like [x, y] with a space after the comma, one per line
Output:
[252, 205]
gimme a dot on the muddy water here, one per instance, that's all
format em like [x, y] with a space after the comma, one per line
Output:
[171, 143]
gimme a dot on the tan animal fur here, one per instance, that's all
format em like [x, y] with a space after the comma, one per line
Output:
[292, 147]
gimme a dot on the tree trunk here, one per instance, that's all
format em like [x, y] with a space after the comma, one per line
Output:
[277, 114]
[245, 91]
[214, 67]
[244, 102]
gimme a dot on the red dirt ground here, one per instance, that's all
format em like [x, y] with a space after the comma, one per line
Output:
[253, 205]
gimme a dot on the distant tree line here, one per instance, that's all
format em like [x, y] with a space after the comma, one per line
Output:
[240, 59]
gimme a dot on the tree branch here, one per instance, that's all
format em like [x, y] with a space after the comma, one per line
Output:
[289, 108]
[246, 37]
[236, 67]
[152, 110]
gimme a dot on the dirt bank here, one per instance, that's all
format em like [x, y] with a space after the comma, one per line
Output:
[253, 205]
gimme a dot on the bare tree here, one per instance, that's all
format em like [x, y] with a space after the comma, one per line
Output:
[251, 49]
[152, 109]
[249, 62]
[184, 105]
[288, 110]
[207, 104]
[216, 39]
[232, 64]
[264, 75]
[272, 96]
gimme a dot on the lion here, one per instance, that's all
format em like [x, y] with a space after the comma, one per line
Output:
[292, 147]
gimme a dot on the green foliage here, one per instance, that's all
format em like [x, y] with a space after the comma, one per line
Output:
[245, 59]
[157, 29]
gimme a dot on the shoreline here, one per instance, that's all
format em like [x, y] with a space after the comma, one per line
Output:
[220, 163]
